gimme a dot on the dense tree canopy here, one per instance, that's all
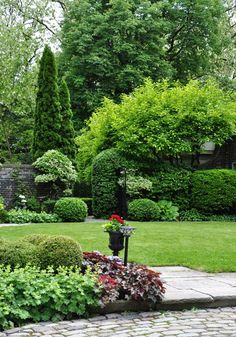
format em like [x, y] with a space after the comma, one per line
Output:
[67, 132]
[109, 47]
[159, 121]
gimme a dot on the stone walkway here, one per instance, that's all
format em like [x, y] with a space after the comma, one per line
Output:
[195, 323]
[187, 288]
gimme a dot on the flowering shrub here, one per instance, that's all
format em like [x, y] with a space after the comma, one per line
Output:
[115, 224]
[135, 281]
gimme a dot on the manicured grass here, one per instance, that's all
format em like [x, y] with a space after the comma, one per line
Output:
[209, 246]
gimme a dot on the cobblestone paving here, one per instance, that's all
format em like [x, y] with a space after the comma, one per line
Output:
[208, 322]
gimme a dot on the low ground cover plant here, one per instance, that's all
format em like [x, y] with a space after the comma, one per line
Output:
[33, 294]
[25, 216]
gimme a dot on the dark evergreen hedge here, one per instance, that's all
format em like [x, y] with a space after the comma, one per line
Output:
[214, 191]
[172, 183]
[105, 175]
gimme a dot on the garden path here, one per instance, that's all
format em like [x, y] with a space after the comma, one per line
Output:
[195, 323]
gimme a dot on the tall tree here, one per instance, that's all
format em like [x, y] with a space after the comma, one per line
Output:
[110, 46]
[67, 129]
[47, 124]
[25, 26]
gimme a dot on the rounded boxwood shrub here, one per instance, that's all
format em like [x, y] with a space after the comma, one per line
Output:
[59, 250]
[71, 209]
[20, 253]
[214, 191]
[35, 239]
[143, 210]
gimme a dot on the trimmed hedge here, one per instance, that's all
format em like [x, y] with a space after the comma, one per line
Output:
[214, 191]
[58, 250]
[18, 253]
[105, 186]
[71, 209]
[172, 183]
[143, 210]
[89, 203]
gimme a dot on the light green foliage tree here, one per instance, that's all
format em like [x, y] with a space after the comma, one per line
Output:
[109, 47]
[67, 129]
[159, 122]
[47, 125]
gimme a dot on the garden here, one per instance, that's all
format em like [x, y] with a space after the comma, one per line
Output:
[111, 134]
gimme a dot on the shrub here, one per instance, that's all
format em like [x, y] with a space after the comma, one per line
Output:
[59, 251]
[89, 202]
[35, 239]
[56, 170]
[18, 253]
[167, 211]
[143, 210]
[105, 174]
[136, 186]
[222, 217]
[172, 183]
[214, 191]
[42, 295]
[33, 204]
[191, 215]
[135, 281]
[48, 205]
[25, 216]
[71, 209]
[3, 212]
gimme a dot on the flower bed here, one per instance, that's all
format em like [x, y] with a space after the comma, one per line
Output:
[134, 282]
[32, 290]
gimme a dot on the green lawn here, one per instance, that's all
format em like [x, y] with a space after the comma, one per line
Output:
[209, 246]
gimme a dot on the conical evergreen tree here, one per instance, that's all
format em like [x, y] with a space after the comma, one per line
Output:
[47, 113]
[67, 129]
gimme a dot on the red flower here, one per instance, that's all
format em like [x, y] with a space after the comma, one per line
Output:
[116, 217]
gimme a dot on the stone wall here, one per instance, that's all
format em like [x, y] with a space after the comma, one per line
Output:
[14, 178]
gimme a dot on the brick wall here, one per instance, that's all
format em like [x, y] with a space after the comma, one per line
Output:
[13, 175]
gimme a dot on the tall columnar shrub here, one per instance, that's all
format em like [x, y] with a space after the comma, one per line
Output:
[214, 191]
[47, 123]
[67, 128]
[105, 175]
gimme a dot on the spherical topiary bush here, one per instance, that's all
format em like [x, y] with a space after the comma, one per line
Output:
[35, 239]
[18, 253]
[58, 250]
[143, 210]
[71, 209]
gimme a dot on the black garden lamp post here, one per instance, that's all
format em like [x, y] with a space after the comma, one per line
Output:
[122, 190]
[127, 232]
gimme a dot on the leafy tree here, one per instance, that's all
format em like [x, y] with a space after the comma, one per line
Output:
[57, 171]
[25, 26]
[67, 129]
[47, 113]
[159, 122]
[109, 47]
